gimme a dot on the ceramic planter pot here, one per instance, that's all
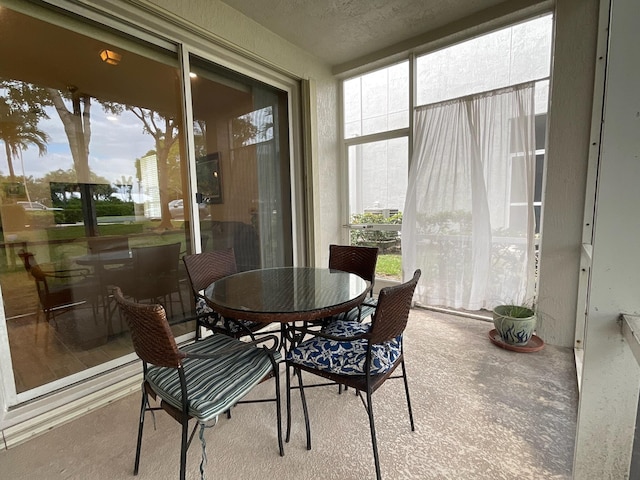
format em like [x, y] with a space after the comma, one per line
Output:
[514, 330]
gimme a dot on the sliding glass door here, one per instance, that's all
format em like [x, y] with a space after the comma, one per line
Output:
[242, 166]
[97, 189]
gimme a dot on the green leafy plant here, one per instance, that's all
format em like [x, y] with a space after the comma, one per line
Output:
[515, 311]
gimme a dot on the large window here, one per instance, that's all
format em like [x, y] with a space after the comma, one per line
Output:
[93, 158]
[376, 120]
[96, 189]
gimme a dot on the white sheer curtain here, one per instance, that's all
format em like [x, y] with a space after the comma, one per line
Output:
[468, 220]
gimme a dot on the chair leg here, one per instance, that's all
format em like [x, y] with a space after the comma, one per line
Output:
[288, 400]
[198, 327]
[181, 302]
[304, 407]
[374, 443]
[183, 448]
[406, 391]
[278, 409]
[143, 410]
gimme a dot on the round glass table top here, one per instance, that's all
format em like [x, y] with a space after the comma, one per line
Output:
[292, 293]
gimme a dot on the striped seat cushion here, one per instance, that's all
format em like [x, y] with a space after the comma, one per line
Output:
[346, 357]
[212, 319]
[354, 315]
[213, 385]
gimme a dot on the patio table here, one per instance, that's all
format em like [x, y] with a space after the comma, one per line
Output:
[286, 295]
[114, 257]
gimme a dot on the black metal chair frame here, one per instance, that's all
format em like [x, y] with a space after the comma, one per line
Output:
[172, 358]
[384, 327]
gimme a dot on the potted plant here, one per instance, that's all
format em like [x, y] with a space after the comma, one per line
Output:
[515, 323]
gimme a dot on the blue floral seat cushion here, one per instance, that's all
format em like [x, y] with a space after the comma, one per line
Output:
[346, 357]
[211, 319]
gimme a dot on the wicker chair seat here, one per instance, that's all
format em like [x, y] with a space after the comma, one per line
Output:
[213, 385]
[346, 357]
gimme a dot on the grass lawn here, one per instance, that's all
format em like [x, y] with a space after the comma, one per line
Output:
[389, 266]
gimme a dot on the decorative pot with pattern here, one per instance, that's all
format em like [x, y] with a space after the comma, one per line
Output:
[515, 324]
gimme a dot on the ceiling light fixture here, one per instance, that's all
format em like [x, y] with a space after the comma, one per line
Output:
[110, 57]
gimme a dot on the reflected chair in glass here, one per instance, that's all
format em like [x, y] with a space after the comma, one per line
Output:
[361, 261]
[107, 243]
[155, 275]
[360, 355]
[109, 274]
[203, 269]
[60, 290]
[200, 380]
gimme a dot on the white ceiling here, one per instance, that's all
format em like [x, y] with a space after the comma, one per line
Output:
[340, 31]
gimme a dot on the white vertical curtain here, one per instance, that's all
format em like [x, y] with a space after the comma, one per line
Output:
[468, 220]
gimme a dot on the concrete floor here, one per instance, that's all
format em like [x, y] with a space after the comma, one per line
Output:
[481, 412]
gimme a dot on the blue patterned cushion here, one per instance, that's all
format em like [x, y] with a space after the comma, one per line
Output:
[213, 385]
[212, 319]
[346, 357]
[206, 313]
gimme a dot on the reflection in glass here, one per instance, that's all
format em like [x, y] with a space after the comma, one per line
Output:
[243, 174]
[93, 150]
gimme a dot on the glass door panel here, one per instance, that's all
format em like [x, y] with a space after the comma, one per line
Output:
[93, 162]
[242, 166]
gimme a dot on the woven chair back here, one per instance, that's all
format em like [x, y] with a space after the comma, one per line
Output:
[156, 259]
[207, 267]
[150, 332]
[353, 259]
[394, 303]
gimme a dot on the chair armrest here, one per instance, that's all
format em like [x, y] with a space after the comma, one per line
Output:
[67, 273]
[234, 348]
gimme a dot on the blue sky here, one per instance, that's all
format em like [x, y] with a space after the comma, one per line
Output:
[116, 142]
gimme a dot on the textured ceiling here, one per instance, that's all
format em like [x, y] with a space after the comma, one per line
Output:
[339, 31]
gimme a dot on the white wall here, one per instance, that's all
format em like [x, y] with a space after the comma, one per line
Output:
[611, 377]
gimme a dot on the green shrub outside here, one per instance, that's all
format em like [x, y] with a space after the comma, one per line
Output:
[389, 259]
[380, 238]
[72, 210]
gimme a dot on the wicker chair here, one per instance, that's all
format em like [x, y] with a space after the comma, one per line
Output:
[155, 275]
[60, 290]
[201, 380]
[361, 261]
[203, 269]
[359, 355]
